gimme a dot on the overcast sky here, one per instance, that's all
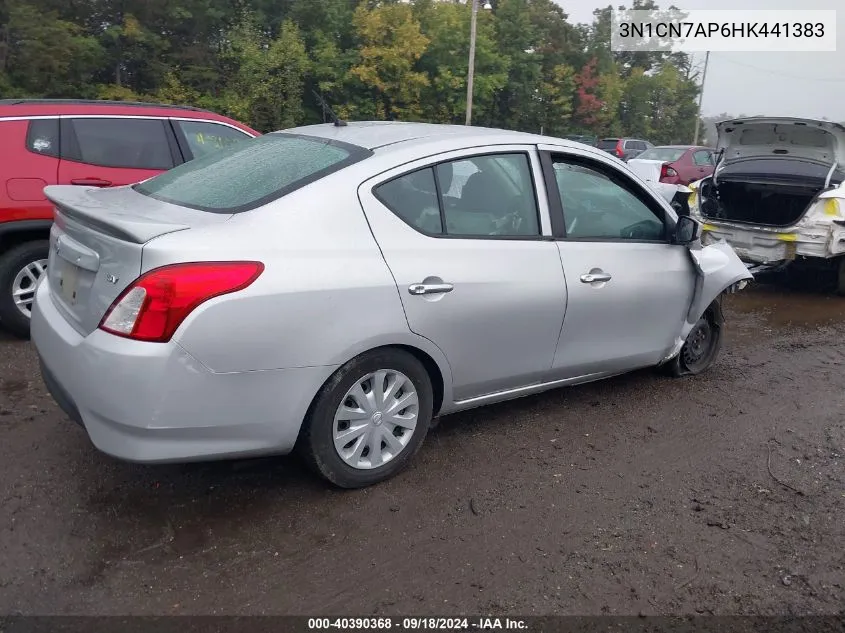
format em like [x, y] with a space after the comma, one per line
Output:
[808, 85]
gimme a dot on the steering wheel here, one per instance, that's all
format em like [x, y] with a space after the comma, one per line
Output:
[643, 230]
[508, 224]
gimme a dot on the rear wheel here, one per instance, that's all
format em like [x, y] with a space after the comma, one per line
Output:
[20, 269]
[369, 419]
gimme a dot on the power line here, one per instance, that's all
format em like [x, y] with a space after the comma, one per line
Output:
[781, 73]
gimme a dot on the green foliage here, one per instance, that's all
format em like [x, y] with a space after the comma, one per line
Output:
[446, 62]
[261, 61]
[391, 43]
[46, 56]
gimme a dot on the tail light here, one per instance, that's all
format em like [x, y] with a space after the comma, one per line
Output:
[667, 172]
[620, 150]
[156, 304]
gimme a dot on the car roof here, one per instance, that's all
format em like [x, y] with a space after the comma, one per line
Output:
[373, 135]
[58, 107]
[681, 147]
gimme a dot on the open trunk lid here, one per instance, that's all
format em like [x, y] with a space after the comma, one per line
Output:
[756, 137]
[97, 242]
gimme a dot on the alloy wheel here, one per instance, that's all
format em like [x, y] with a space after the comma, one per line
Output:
[24, 283]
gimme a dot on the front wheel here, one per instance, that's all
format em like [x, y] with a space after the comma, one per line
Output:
[20, 269]
[369, 419]
[701, 349]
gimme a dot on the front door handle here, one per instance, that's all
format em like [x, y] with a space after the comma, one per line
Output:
[590, 278]
[91, 182]
[429, 289]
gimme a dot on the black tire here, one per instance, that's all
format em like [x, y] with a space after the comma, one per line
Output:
[11, 263]
[316, 444]
[701, 349]
[840, 276]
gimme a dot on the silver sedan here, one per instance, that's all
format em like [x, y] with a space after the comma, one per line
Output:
[332, 289]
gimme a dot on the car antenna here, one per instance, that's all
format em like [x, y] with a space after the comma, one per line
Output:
[327, 109]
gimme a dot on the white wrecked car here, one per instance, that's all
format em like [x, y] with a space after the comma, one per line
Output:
[777, 193]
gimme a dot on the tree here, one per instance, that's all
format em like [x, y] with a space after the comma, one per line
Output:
[45, 56]
[391, 44]
[261, 61]
[266, 75]
[445, 61]
[588, 104]
[559, 100]
[635, 113]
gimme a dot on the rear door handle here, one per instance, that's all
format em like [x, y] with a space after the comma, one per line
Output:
[91, 182]
[429, 289]
[590, 278]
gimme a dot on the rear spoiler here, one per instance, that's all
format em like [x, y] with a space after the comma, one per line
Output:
[78, 204]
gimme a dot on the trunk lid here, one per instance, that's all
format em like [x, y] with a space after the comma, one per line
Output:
[97, 242]
[648, 170]
[773, 137]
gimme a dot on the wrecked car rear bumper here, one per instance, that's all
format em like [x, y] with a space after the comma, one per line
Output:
[772, 247]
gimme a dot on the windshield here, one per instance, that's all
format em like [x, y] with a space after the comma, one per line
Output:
[608, 143]
[251, 173]
[664, 154]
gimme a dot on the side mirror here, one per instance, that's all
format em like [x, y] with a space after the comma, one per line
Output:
[687, 230]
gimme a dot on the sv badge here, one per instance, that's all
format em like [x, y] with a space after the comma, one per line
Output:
[111, 278]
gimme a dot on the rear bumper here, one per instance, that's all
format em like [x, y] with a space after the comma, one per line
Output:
[62, 397]
[772, 246]
[155, 403]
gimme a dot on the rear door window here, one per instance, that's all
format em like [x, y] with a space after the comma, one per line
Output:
[608, 143]
[476, 197]
[413, 197]
[497, 199]
[703, 157]
[118, 142]
[252, 173]
[42, 137]
[204, 137]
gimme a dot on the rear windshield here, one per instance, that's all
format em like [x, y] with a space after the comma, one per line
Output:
[252, 173]
[666, 154]
[608, 143]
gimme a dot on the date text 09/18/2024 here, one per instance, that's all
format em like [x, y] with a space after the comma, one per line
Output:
[417, 624]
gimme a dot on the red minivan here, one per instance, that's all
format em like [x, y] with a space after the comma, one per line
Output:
[86, 143]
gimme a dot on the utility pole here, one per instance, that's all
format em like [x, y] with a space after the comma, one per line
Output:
[701, 98]
[471, 72]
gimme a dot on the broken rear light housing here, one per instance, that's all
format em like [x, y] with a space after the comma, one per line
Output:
[667, 172]
[154, 306]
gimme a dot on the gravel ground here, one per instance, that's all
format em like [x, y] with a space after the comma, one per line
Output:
[720, 494]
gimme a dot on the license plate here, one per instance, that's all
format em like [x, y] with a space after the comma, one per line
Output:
[68, 282]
